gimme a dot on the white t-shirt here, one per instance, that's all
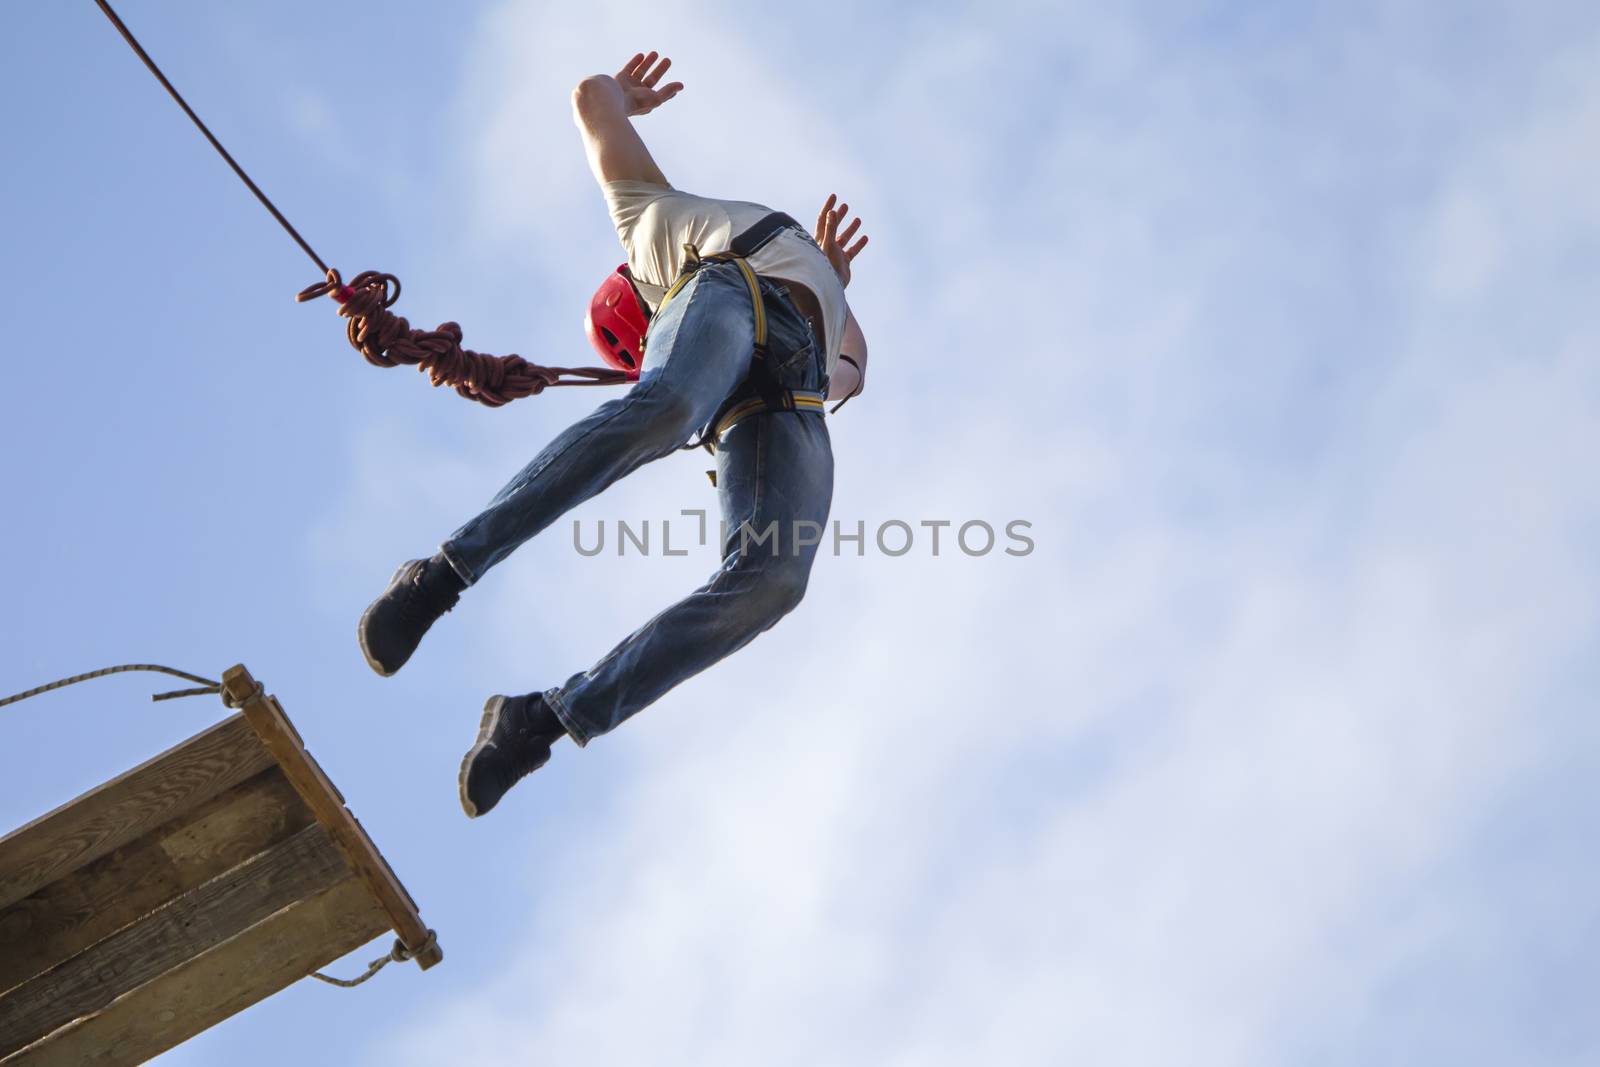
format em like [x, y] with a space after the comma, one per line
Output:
[655, 221]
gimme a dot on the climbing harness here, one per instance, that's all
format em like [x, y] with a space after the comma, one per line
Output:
[384, 338]
[760, 391]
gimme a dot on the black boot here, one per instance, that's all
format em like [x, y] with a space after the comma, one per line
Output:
[393, 625]
[514, 740]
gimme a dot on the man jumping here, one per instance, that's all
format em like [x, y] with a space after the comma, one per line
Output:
[745, 330]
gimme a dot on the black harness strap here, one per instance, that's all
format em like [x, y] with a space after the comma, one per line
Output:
[756, 237]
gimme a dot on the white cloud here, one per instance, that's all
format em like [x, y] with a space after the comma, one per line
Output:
[1156, 793]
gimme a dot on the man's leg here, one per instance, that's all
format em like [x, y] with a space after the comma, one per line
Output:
[774, 480]
[699, 349]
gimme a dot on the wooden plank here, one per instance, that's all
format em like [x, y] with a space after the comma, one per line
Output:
[280, 737]
[301, 866]
[227, 978]
[111, 815]
[67, 916]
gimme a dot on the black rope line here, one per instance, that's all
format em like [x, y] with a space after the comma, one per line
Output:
[138, 49]
[384, 338]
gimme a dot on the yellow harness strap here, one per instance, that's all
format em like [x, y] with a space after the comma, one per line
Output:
[693, 258]
[799, 400]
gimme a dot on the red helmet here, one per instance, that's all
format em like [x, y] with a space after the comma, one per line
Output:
[617, 322]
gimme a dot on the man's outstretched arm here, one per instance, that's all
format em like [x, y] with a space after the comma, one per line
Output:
[604, 107]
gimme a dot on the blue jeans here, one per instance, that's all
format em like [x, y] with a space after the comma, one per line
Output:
[774, 479]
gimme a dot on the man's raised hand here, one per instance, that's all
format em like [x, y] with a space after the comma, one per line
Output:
[834, 242]
[639, 78]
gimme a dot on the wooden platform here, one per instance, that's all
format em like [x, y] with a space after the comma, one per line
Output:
[185, 890]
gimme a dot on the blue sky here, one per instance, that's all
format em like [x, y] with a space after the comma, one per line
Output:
[1276, 322]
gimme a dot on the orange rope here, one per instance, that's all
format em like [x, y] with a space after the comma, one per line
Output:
[387, 340]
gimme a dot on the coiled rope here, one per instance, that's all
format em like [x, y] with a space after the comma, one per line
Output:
[384, 338]
[387, 340]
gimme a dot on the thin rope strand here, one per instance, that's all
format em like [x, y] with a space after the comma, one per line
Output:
[207, 685]
[398, 954]
[138, 49]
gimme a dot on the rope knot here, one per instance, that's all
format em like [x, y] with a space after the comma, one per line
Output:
[398, 953]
